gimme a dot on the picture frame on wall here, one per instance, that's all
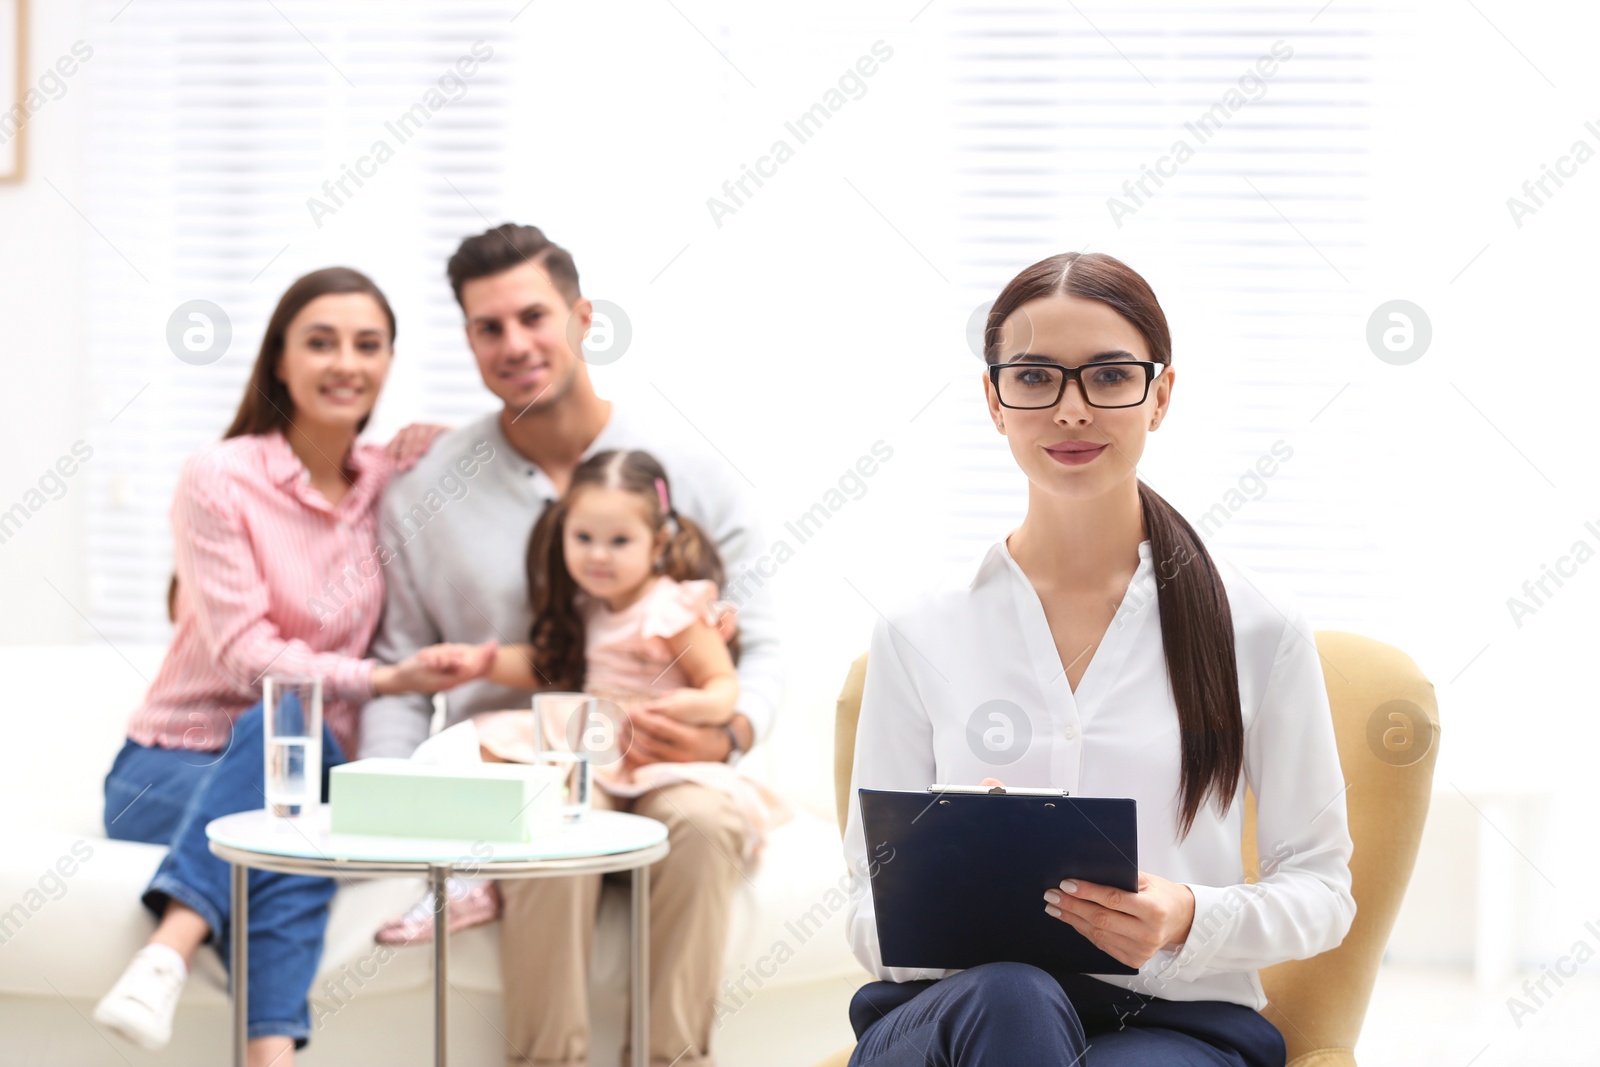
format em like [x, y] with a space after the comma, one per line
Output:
[13, 86]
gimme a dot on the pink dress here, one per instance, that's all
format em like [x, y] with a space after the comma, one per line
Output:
[627, 655]
[629, 660]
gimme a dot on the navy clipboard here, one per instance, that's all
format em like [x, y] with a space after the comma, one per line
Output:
[966, 881]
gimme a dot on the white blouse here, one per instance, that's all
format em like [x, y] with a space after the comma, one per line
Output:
[965, 683]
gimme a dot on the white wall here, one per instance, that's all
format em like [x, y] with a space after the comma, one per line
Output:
[42, 408]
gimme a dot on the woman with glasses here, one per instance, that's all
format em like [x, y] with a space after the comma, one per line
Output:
[1128, 661]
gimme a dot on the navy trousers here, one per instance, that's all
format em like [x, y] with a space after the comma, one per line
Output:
[1016, 1015]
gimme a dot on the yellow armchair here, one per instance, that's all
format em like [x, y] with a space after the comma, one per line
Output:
[1387, 723]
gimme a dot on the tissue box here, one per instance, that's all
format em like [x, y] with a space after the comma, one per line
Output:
[477, 802]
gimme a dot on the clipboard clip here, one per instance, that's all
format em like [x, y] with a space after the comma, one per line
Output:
[1000, 790]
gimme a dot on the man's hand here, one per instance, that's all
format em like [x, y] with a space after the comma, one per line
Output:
[657, 738]
[694, 707]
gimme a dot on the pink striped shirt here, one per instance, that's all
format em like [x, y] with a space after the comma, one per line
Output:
[271, 579]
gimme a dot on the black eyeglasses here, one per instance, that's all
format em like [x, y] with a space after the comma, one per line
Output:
[1032, 384]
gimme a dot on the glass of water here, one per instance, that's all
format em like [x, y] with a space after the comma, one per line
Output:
[292, 731]
[552, 712]
[558, 731]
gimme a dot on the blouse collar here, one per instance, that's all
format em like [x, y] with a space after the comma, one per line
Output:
[279, 460]
[285, 469]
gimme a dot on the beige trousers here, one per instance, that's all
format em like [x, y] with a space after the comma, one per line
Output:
[547, 929]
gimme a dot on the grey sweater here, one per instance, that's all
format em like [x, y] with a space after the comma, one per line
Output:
[453, 535]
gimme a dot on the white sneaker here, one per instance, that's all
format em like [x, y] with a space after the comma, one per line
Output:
[140, 1006]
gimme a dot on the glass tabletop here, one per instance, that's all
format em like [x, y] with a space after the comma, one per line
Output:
[595, 833]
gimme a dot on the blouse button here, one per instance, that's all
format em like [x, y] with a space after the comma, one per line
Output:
[1071, 732]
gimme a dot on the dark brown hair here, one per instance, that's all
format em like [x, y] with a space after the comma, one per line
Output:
[1196, 623]
[558, 633]
[509, 245]
[266, 406]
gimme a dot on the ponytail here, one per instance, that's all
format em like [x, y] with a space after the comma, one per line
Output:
[1197, 634]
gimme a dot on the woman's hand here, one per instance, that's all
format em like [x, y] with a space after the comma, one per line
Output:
[457, 657]
[412, 443]
[433, 669]
[1128, 927]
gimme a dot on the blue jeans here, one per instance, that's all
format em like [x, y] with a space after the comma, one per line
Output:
[1016, 1015]
[166, 796]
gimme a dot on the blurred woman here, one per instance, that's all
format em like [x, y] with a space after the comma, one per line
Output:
[274, 534]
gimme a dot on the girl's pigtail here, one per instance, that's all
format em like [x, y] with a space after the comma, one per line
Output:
[557, 634]
[692, 555]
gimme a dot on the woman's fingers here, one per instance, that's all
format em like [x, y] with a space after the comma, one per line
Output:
[1107, 896]
[1107, 928]
[446, 666]
[457, 663]
[484, 659]
[1114, 945]
[439, 655]
[411, 443]
[1106, 906]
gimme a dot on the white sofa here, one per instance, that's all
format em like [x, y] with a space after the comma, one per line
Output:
[70, 918]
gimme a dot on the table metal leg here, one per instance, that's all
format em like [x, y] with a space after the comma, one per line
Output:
[240, 932]
[639, 942]
[439, 878]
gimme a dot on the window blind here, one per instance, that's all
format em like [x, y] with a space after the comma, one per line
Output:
[1222, 153]
[231, 148]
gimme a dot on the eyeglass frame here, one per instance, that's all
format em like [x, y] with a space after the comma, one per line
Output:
[1152, 371]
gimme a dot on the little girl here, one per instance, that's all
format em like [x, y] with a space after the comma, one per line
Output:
[624, 596]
